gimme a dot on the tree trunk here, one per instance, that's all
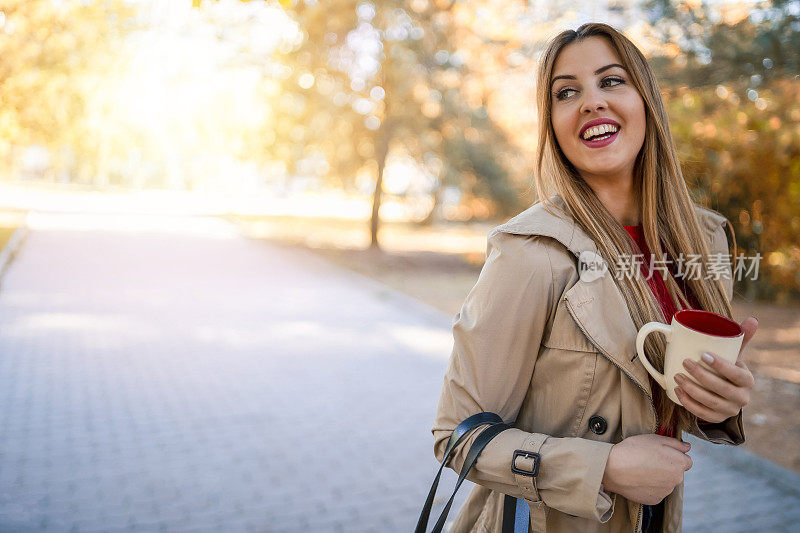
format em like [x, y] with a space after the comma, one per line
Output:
[384, 139]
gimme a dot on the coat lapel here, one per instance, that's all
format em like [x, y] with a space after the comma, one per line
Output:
[597, 306]
[600, 311]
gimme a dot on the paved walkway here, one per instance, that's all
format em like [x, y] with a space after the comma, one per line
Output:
[188, 379]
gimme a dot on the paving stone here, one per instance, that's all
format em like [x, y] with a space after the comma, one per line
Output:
[175, 381]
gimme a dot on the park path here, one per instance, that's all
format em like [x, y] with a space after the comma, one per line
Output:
[168, 374]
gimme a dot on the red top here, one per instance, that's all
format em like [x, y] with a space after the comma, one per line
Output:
[659, 288]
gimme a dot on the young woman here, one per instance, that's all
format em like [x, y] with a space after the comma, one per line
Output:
[553, 352]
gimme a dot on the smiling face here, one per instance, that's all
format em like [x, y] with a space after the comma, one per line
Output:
[593, 90]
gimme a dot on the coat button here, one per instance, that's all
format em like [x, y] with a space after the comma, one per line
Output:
[598, 424]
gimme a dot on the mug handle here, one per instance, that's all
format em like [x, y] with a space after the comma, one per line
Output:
[647, 329]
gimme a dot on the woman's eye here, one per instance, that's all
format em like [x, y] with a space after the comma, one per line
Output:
[562, 94]
[617, 80]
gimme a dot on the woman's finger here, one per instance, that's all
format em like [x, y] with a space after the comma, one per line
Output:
[714, 402]
[740, 376]
[719, 385]
[696, 408]
[749, 326]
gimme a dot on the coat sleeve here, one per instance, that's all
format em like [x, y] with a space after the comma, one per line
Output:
[731, 430]
[497, 337]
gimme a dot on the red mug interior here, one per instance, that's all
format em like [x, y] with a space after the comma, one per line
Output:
[708, 323]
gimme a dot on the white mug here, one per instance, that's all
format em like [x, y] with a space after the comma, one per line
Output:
[691, 333]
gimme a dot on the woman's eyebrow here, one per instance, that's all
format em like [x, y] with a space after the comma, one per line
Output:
[598, 71]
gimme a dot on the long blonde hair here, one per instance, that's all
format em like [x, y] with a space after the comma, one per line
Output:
[667, 210]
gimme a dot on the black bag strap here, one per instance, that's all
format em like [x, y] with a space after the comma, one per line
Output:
[509, 513]
[496, 426]
[516, 515]
[455, 438]
[472, 456]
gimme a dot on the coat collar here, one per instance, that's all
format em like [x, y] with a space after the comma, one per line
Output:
[597, 306]
[536, 220]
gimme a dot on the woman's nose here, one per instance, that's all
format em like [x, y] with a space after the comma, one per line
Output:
[592, 101]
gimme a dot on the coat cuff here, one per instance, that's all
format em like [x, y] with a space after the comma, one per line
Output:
[571, 474]
[730, 431]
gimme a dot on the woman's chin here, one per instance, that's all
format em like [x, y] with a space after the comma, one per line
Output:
[609, 168]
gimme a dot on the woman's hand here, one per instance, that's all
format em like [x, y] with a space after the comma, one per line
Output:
[646, 468]
[718, 398]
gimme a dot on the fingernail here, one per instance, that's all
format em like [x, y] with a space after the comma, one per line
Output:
[708, 358]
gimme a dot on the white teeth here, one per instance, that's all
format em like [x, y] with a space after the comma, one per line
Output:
[599, 130]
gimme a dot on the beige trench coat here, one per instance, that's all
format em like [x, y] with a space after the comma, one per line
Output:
[547, 352]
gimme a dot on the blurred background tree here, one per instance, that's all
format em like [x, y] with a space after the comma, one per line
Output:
[53, 55]
[731, 79]
[428, 103]
[372, 77]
